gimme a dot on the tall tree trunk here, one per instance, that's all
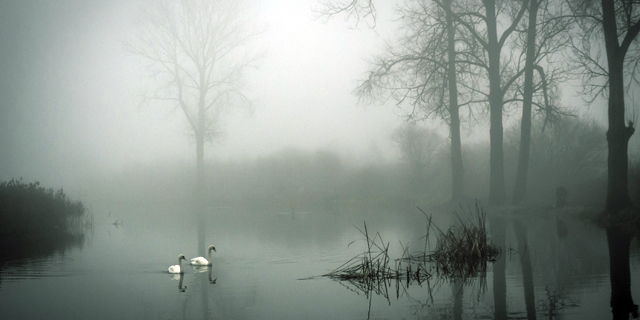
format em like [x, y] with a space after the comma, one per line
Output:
[618, 235]
[618, 199]
[618, 134]
[457, 169]
[497, 193]
[200, 168]
[618, 140]
[520, 188]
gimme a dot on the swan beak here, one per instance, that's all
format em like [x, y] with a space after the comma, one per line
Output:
[214, 249]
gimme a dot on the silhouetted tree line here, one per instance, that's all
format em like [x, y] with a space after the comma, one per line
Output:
[571, 155]
[454, 60]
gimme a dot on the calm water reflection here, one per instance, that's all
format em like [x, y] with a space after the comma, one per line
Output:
[552, 268]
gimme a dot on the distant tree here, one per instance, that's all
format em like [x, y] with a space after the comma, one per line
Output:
[418, 147]
[570, 150]
[570, 153]
[198, 56]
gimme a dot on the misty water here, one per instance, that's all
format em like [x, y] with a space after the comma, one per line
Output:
[267, 267]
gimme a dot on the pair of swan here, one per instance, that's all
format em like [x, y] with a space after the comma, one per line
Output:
[198, 261]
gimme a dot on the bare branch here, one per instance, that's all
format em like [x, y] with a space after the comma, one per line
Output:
[198, 55]
[351, 9]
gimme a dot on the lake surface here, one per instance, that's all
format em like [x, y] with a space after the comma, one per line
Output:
[267, 265]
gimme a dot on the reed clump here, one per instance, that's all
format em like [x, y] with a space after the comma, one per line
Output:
[372, 271]
[31, 213]
[371, 264]
[464, 250]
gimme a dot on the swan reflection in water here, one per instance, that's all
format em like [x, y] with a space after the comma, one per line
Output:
[200, 269]
[180, 287]
[180, 277]
[211, 281]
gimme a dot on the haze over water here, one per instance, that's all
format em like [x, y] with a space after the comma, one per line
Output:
[288, 183]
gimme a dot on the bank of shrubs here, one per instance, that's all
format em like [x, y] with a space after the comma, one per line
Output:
[571, 154]
[634, 178]
[30, 211]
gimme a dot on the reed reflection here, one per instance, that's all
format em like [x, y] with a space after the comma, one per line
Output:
[498, 231]
[527, 270]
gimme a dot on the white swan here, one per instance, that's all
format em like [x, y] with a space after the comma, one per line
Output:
[200, 261]
[177, 268]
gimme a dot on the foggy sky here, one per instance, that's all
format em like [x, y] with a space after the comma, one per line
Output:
[70, 101]
[70, 90]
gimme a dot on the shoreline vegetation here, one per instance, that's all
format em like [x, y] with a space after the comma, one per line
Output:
[35, 220]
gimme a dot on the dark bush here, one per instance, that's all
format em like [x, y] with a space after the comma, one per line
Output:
[30, 210]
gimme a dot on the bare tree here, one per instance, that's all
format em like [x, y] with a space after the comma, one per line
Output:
[420, 69]
[482, 22]
[457, 169]
[198, 57]
[525, 124]
[419, 146]
[357, 10]
[569, 152]
[447, 48]
[617, 22]
[544, 35]
[621, 25]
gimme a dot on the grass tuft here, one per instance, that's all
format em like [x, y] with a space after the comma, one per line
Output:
[464, 250]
